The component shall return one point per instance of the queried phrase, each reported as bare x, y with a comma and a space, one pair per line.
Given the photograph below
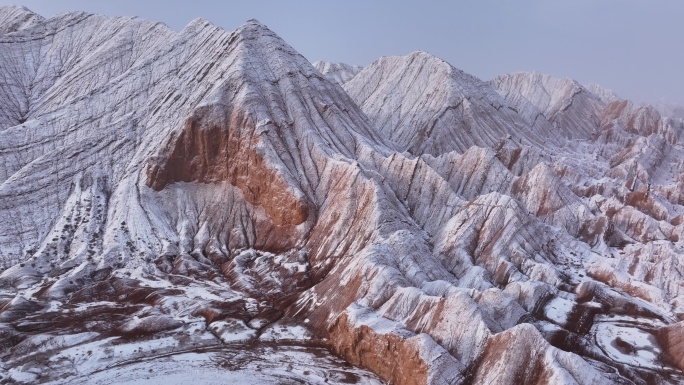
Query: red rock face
211, 149
672, 338
614, 110
394, 358
207, 151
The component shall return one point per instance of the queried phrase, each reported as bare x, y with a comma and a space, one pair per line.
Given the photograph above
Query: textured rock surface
164, 194
672, 338
572, 109
427, 106
13, 18
339, 72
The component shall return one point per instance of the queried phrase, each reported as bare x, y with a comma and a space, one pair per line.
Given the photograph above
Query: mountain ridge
205, 190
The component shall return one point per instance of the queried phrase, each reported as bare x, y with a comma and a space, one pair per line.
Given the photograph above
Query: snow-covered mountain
427, 106
339, 72
210, 199
563, 102
13, 18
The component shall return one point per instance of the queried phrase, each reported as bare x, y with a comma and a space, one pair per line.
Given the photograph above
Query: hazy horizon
629, 46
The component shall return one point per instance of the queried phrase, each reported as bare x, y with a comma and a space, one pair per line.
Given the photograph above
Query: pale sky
634, 47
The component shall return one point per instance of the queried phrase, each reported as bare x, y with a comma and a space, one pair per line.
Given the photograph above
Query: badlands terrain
209, 206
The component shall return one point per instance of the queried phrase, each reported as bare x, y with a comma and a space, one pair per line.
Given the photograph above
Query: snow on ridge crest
418, 99
14, 18
216, 185
339, 72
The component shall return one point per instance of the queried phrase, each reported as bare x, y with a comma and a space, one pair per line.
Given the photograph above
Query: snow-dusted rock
14, 18
174, 191
339, 72
427, 106
571, 109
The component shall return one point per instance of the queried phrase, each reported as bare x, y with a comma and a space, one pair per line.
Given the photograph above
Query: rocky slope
427, 106
339, 72
13, 18
211, 198
570, 108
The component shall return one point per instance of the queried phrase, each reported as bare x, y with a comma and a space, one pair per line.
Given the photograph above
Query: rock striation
195, 191
427, 106
14, 18
339, 72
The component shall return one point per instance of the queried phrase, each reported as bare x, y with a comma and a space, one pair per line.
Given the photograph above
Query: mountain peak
537, 77
422, 58
560, 100
338, 72
601, 92
15, 8
198, 25
255, 26
14, 18
427, 106
425, 54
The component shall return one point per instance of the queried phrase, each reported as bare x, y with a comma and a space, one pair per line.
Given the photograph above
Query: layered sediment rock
205, 186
